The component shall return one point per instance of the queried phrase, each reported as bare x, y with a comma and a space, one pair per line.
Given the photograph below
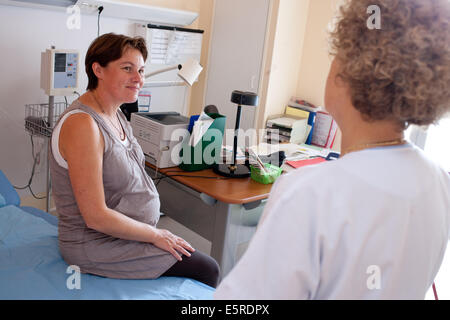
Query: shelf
138, 12
116, 9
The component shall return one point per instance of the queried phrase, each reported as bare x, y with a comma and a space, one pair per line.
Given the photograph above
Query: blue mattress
31, 266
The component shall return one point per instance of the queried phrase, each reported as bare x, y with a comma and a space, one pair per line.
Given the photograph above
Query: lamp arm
151, 74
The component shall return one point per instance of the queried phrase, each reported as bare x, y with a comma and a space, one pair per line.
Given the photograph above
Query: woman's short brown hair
400, 72
110, 47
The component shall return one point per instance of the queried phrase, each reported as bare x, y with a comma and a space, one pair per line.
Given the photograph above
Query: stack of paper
304, 111
285, 122
302, 104
290, 129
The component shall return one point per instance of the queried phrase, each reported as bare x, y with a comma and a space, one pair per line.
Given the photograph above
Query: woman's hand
169, 242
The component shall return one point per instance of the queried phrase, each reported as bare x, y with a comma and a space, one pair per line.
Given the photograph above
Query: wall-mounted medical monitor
59, 71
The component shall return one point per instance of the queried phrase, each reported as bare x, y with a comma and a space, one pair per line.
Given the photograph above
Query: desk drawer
185, 206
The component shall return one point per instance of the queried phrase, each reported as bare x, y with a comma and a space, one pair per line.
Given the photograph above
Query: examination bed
31, 266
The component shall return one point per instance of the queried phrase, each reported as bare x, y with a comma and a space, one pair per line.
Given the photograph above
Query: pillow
2, 201
9, 194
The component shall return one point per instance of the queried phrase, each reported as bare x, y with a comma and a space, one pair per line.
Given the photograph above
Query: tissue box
207, 151
265, 178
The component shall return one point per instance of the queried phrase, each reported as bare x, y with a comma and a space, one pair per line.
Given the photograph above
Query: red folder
306, 162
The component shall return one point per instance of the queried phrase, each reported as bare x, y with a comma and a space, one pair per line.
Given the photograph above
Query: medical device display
59, 71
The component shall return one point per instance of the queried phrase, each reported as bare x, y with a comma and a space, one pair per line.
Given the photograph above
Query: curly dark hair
110, 47
402, 70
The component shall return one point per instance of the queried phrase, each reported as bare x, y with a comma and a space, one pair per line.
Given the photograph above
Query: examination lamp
188, 71
237, 170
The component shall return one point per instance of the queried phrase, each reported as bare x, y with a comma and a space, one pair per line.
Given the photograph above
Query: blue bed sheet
31, 267
41, 214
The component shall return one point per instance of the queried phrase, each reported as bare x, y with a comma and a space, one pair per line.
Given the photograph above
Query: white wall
24, 34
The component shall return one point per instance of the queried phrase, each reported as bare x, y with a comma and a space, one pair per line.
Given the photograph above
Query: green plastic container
265, 178
207, 151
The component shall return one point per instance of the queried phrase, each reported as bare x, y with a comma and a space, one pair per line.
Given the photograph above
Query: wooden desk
225, 211
229, 190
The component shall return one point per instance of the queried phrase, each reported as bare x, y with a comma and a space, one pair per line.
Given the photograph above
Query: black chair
129, 108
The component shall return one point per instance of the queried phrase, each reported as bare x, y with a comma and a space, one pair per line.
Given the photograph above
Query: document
200, 128
324, 130
173, 47
159, 43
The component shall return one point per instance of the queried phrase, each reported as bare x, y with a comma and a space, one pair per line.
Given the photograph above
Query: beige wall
297, 61
199, 89
285, 46
316, 61
188, 5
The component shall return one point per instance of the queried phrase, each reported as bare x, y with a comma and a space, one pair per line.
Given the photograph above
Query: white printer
155, 133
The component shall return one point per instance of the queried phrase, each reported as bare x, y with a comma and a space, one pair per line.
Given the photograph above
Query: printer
153, 131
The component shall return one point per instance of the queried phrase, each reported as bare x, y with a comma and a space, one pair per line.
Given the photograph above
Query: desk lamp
237, 170
188, 71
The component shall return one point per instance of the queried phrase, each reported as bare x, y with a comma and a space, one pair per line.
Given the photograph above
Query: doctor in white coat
375, 223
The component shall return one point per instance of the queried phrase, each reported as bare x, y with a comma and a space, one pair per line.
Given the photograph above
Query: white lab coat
371, 225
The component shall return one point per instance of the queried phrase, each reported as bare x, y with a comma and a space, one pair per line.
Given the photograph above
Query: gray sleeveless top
128, 190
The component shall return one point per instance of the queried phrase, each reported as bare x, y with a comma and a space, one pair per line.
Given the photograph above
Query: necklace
359, 147
119, 130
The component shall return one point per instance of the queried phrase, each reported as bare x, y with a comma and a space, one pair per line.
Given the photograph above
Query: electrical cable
35, 158
34, 165
187, 175
100, 9
184, 175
